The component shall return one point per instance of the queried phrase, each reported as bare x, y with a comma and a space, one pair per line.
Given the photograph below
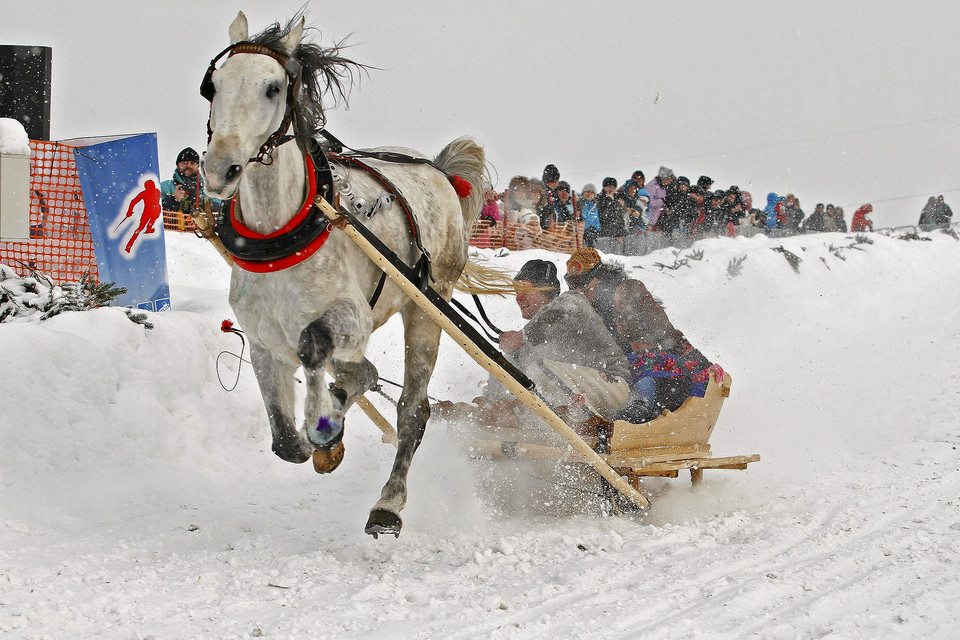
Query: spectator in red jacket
861, 221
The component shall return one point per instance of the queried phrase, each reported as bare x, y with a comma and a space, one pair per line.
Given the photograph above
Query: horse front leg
343, 329
275, 378
422, 339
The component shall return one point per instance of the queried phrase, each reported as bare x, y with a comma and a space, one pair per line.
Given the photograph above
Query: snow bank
13, 138
139, 499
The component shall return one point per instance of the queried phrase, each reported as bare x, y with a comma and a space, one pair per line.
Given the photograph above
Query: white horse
317, 313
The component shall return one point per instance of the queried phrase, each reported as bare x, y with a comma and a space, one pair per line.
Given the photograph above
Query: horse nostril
233, 172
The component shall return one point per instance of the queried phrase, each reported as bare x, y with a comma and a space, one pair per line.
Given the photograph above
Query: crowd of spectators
620, 216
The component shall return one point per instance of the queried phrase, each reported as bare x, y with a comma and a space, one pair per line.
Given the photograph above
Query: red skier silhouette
150, 196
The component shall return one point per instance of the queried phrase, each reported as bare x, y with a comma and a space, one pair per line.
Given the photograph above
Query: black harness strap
378, 290
337, 147
422, 267
467, 313
441, 305
483, 314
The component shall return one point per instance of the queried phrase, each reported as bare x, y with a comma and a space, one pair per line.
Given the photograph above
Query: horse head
248, 104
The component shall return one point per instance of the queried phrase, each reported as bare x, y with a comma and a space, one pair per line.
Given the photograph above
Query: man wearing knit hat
612, 220
666, 367
564, 347
184, 192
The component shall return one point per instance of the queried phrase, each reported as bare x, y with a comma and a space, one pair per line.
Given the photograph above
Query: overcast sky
844, 102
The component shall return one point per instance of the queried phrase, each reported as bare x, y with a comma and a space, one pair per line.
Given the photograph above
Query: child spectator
528, 232
489, 217
589, 214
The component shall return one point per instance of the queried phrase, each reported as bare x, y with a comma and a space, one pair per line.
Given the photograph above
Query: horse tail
464, 158
482, 280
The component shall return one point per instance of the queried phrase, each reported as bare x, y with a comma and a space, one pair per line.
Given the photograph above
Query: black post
25, 87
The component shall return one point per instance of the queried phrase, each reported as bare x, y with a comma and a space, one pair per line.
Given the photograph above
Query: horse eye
273, 90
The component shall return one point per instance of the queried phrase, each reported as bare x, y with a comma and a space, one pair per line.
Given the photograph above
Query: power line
916, 195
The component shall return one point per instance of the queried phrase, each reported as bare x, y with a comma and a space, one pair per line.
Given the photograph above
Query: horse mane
324, 70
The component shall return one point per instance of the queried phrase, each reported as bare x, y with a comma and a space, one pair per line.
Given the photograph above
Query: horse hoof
328, 461
383, 521
328, 431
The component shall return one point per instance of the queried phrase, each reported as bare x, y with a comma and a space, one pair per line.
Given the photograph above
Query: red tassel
461, 186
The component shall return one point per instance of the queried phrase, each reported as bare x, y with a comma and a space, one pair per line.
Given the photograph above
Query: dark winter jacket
815, 221
611, 216
547, 211
633, 209
794, 215
635, 318
714, 217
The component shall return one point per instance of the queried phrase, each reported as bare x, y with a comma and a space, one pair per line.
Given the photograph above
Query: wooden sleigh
675, 441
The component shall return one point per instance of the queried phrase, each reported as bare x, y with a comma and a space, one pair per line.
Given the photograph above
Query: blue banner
120, 180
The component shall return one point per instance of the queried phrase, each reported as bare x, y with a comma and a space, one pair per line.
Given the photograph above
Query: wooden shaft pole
205, 226
532, 401
389, 434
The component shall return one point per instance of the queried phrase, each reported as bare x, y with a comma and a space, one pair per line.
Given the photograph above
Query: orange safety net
60, 244
565, 238
178, 221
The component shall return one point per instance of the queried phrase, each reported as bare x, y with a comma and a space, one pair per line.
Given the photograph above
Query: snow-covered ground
141, 500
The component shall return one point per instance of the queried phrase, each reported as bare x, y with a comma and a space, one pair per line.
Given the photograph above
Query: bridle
291, 67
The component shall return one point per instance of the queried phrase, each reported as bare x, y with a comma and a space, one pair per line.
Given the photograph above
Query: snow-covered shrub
35, 295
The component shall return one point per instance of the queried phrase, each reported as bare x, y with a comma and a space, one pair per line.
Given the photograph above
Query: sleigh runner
674, 442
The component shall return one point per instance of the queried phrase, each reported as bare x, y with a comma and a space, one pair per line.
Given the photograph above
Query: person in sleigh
565, 349
666, 369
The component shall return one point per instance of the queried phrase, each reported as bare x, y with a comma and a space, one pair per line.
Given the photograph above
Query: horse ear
238, 29
291, 41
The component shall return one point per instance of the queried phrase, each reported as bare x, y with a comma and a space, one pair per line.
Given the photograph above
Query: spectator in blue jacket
589, 213
771, 210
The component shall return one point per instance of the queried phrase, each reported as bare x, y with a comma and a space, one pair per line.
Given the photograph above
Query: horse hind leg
422, 338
